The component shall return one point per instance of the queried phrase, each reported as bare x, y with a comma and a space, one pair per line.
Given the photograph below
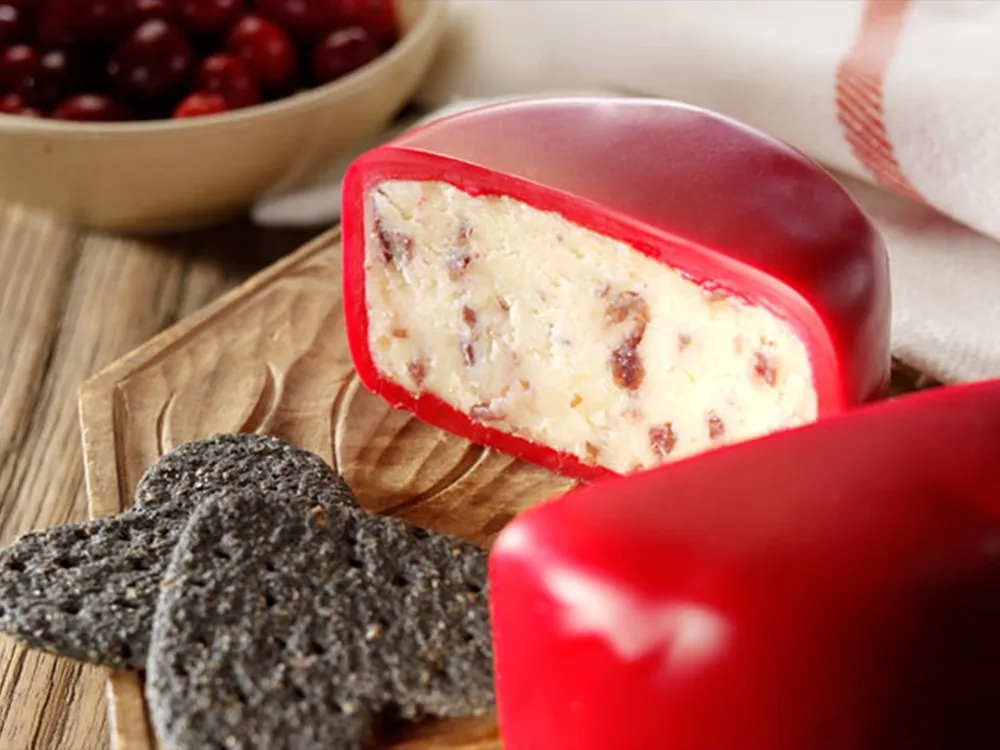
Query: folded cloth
894, 96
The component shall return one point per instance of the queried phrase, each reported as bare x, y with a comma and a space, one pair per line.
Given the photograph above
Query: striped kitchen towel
897, 97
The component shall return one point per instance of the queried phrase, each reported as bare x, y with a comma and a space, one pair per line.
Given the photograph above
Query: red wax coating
725, 204
828, 587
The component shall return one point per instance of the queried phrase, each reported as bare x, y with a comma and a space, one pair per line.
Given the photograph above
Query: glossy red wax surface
727, 205
829, 587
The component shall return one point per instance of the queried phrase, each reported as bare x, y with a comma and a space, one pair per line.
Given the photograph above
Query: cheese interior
566, 337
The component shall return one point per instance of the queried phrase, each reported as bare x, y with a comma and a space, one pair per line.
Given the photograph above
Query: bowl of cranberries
162, 115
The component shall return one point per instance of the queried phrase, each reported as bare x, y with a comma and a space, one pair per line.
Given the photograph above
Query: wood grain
272, 357
70, 303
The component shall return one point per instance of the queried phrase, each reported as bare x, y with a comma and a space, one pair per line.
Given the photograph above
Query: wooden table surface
71, 302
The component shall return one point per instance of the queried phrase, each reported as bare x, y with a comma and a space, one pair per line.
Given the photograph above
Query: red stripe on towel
860, 95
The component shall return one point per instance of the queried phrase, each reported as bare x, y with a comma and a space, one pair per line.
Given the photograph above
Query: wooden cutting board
272, 357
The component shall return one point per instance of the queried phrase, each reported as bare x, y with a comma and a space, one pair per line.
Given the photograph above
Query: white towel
897, 97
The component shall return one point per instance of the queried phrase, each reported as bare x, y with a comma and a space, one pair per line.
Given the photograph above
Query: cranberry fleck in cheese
562, 336
829, 587
600, 286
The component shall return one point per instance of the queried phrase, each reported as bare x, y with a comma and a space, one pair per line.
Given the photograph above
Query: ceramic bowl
172, 175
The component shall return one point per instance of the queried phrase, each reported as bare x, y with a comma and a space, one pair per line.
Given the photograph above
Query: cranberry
306, 19
29, 10
342, 51
78, 70
28, 6
66, 23
138, 11
179, 58
226, 75
152, 61
211, 16
11, 25
17, 65
49, 81
91, 108
14, 104
378, 16
201, 103
265, 49
11, 104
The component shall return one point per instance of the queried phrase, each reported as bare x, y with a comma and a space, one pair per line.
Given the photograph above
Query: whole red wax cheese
602, 285
829, 587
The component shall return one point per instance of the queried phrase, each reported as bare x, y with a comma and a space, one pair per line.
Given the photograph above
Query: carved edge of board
127, 714
96, 395
105, 414
908, 379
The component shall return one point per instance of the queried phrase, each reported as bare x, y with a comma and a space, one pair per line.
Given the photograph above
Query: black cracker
288, 624
88, 591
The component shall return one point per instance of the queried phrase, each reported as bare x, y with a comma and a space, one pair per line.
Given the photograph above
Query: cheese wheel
599, 286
